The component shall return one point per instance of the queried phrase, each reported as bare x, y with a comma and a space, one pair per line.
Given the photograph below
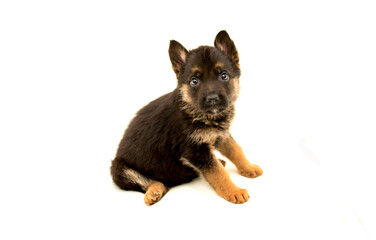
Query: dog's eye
224, 76
194, 81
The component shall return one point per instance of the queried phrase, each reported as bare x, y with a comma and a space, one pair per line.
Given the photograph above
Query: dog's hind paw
154, 193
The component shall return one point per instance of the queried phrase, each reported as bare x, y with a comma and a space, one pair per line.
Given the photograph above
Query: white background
73, 73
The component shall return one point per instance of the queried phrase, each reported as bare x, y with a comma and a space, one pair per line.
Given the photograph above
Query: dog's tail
127, 178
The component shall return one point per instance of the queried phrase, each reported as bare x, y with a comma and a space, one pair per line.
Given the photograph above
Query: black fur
160, 134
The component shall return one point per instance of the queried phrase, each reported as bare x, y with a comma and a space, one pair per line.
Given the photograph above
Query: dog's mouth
213, 104
214, 110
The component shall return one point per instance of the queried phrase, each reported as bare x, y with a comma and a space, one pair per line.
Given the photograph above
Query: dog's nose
212, 99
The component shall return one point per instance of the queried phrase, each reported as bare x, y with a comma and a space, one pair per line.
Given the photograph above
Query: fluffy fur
171, 140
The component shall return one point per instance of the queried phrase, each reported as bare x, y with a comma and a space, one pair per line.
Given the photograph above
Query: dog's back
152, 144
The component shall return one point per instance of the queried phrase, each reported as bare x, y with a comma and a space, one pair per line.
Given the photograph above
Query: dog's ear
178, 55
224, 43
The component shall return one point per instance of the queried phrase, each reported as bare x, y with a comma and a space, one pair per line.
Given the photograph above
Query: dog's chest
207, 135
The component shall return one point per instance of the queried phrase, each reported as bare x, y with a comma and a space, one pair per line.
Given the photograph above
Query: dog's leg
214, 172
230, 149
219, 179
155, 191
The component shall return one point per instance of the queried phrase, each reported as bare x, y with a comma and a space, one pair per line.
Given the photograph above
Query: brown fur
172, 139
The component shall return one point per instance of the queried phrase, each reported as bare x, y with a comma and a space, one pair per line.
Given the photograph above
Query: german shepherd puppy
171, 140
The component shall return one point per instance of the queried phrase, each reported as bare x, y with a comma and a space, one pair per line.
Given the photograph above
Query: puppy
172, 140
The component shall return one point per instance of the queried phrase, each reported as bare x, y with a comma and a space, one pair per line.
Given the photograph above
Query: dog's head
207, 76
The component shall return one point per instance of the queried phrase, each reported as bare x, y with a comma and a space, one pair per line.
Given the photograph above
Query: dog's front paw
237, 196
251, 171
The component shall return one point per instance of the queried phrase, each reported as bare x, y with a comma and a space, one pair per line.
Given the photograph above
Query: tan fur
186, 162
220, 46
208, 135
184, 91
195, 70
154, 193
188, 107
137, 178
176, 70
236, 59
203, 135
236, 89
183, 55
219, 179
218, 65
230, 149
